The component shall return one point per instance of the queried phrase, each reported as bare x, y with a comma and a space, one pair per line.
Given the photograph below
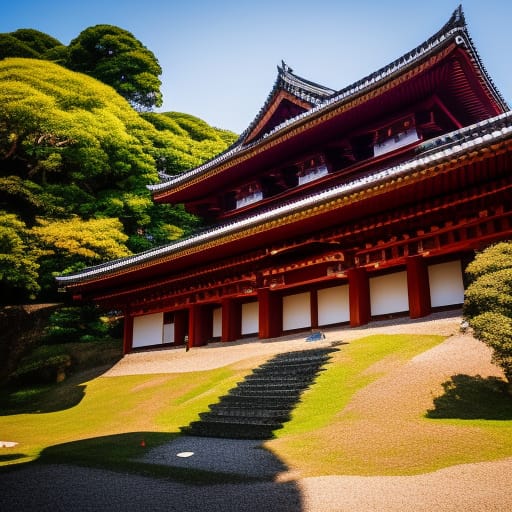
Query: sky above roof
220, 57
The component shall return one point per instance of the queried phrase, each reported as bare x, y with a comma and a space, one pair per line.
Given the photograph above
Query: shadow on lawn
9, 457
134, 484
473, 397
48, 398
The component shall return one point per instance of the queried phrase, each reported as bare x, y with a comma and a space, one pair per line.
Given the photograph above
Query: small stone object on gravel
234, 456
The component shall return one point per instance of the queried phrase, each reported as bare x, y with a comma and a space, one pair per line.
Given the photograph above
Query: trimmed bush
488, 303
495, 330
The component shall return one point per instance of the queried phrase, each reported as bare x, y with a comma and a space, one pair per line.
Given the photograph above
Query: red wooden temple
333, 207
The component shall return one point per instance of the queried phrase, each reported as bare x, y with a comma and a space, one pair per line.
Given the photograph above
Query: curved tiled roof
454, 30
429, 153
305, 90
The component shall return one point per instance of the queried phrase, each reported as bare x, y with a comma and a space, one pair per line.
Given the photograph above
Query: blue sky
219, 57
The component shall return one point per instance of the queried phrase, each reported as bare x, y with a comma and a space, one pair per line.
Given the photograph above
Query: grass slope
104, 421
360, 420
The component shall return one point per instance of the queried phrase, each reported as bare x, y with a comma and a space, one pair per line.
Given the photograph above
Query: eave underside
457, 206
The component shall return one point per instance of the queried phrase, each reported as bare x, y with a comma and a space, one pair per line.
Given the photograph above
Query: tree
488, 302
115, 57
38, 41
12, 47
18, 261
27, 42
72, 244
57, 126
22, 197
72, 151
184, 141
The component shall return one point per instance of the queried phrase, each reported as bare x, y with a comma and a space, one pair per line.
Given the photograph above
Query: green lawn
112, 417
109, 421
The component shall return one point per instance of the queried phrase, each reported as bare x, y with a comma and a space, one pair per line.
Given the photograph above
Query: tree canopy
73, 153
115, 57
27, 42
105, 52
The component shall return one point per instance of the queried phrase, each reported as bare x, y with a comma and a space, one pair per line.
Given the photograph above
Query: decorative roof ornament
284, 67
457, 17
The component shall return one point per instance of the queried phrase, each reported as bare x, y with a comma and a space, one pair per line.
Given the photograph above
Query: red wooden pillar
127, 333
359, 296
180, 326
314, 308
418, 287
270, 311
200, 325
231, 320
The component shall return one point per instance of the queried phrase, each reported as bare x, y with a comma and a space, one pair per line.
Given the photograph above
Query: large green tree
488, 302
115, 57
71, 148
57, 126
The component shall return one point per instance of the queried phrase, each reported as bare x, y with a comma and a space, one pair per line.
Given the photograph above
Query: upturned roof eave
454, 28
430, 153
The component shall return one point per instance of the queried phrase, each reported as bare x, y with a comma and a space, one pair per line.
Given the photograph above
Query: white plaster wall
388, 294
446, 286
398, 141
217, 322
148, 330
296, 311
250, 323
333, 305
168, 333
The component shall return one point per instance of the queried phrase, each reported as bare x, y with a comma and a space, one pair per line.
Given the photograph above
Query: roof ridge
456, 22
301, 88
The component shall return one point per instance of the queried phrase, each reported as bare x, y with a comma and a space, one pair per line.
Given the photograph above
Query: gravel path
215, 355
476, 487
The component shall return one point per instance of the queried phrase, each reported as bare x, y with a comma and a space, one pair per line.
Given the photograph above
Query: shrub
70, 324
495, 330
488, 302
42, 370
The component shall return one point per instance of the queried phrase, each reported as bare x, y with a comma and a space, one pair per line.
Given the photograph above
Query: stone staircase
263, 401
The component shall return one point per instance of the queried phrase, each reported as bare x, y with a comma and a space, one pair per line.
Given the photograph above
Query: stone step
243, 420
272, 386
294, 370
306, 354
298, 363
263, 401
294, 393
306, 359
234, 402
248, 412
258, 400
272, 377
229, 430
308, 351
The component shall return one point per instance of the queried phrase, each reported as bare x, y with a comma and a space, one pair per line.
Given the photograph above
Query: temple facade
333, 207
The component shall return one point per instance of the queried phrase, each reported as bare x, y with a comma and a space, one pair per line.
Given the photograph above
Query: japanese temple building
333, 207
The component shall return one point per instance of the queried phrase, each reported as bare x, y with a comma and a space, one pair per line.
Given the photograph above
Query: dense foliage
115, 57
27, 42
488, 302
105, 52
75, 161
